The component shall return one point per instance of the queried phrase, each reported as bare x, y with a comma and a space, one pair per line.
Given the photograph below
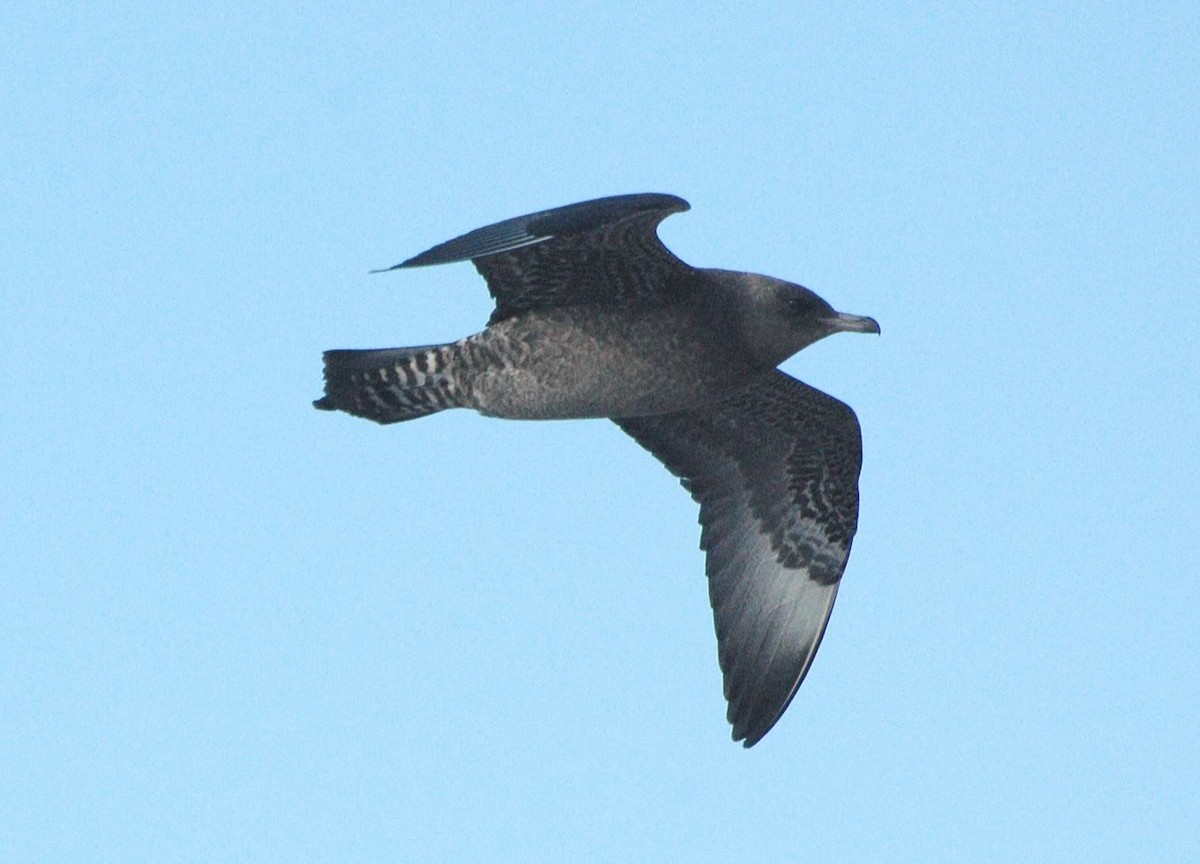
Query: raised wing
604, 251
774, 467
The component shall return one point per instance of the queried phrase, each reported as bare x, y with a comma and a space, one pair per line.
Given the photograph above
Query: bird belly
565, 366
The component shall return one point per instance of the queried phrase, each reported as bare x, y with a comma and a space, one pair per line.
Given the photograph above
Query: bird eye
796, 305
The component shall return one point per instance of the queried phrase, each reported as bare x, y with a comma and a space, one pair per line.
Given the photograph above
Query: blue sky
235, 629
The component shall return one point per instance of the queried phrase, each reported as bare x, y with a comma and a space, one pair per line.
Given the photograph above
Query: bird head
778, 318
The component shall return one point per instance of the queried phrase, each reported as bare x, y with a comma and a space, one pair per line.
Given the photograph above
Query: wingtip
749, 738
666, 201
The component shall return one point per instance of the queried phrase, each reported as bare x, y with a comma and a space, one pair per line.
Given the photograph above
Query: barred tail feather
389, 385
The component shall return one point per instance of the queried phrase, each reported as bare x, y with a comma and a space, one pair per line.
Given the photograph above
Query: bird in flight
595, 317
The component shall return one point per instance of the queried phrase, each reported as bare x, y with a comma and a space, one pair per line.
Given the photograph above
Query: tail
390, 384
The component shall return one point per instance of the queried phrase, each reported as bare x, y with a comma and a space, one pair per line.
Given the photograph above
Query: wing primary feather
539, 227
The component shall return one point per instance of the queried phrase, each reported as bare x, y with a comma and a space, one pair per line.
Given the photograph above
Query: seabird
595, 317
